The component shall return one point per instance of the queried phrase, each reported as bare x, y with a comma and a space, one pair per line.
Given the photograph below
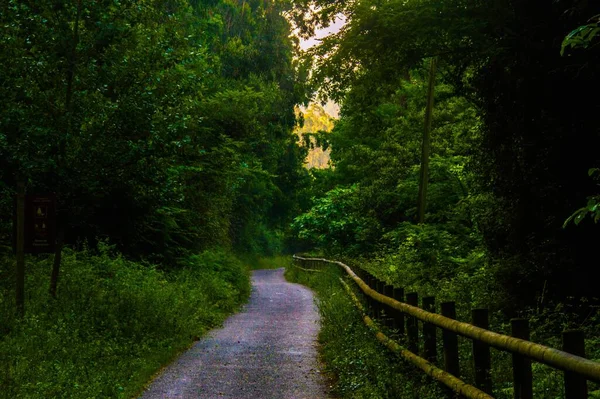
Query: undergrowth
114, 324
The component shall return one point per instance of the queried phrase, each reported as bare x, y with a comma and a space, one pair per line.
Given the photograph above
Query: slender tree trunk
20, 247
57, 259
61, 214
424, 178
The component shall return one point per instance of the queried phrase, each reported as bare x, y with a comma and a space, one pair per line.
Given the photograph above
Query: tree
316, 124
531, 118
166, 126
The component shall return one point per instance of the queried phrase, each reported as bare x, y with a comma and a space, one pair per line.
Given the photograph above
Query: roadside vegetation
115, 324
165, 130
510, 220
358, 366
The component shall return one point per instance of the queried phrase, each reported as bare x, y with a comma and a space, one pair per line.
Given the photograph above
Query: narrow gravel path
266, 351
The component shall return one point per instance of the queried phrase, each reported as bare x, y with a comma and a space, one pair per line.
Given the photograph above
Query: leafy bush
337, 223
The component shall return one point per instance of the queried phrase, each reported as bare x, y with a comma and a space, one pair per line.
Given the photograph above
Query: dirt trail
268, 350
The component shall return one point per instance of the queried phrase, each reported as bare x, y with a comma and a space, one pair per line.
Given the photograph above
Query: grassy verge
362, 368
114, 324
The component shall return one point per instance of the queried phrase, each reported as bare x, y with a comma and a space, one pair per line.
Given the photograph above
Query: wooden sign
40, 223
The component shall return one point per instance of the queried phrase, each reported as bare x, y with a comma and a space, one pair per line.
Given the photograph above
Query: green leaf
580, 37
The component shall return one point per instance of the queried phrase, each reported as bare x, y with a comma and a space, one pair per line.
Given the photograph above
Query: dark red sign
40, 223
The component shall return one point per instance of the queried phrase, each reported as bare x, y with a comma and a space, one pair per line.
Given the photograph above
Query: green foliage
114, 324
530, 160
513, 130
167, 127
581, 37
592, 208
506, 107
371, 203
335, 222
381, 41
357, 364
374, 184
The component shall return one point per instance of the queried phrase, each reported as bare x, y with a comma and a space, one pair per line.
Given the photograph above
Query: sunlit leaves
581, 37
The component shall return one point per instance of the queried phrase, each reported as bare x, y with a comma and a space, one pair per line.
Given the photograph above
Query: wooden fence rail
389, 301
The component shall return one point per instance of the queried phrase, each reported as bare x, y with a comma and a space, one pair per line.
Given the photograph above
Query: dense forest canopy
165, 126
514, 135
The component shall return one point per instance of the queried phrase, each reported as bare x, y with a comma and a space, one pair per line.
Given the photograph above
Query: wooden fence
403, 315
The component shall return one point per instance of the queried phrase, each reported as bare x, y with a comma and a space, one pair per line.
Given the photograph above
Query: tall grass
113, 325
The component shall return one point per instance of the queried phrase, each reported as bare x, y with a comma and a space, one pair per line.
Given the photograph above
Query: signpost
38, 214
40, 223
35, 232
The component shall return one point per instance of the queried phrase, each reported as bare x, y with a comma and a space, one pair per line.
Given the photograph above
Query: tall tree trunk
20, 282
424, 181
61, 214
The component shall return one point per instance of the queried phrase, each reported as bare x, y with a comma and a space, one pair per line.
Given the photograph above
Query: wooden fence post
371, 302
372, 285
360, 273
376, 304
398, 295
429, 332
380, 306
450, 341
575, 385
481, 353
522, 376
412, 326
388, 290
